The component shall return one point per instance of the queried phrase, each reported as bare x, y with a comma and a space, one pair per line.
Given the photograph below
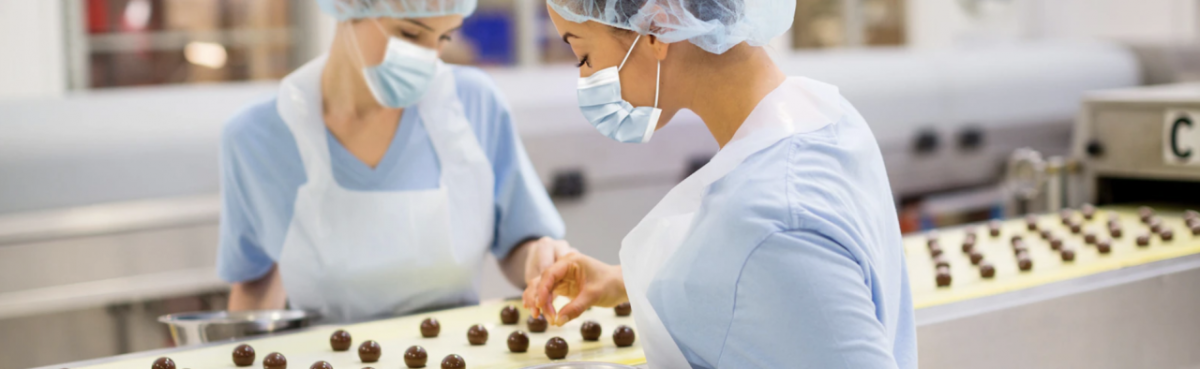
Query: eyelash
582, 62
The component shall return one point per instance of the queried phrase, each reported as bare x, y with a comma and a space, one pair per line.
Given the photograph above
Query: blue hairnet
713, 25
357, 9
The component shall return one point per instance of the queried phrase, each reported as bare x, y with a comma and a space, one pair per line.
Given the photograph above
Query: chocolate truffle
453, 361
1020, 247
415, 357
430, 328
1088, 211
1115, 232
976, 257
1104, 246
1076, 228
369, 351
1155, 225
1046, 234
1143, 240
943, 276
935, 251
931, 238
1031, 222
1056, 243
968, 245
321, 365
509, 315
1065, 216
1068, 254
1015, 239
243, 355
987, 270
623, 309
590, 330
941, 261
163, 363
994, 228
536, 324
1089, 237
340, 340
1024, 262
518, 342
1145, 213
556, 348
477, 335
1167, 234
1195, 229
274, 360
623, 336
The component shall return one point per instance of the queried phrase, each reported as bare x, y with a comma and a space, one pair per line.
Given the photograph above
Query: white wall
944, 23
32, 44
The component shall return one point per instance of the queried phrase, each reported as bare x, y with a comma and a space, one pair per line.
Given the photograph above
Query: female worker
378, 178
784, 251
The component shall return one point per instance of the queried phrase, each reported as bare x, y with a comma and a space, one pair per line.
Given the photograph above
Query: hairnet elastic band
630, 52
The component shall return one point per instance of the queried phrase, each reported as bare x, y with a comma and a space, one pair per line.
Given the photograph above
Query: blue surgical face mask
403, 76
601, 103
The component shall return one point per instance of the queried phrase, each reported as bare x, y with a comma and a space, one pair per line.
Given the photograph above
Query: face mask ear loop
357, 50
630, 52
657, 78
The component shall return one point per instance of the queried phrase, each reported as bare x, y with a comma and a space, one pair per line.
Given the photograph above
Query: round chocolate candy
430, 328
976, 257
1089, 237
1019, 248
943, 276
931, 238
1031, 222
1156, 225
1065, 216
968, 245
1167, 234
1115, 232
518, 342
994, 228
556, 348
477, 335
1046, 234
1190, 214
941, 261
987, 270
1056, 243
623, 336
1104, 246
415, 357
970, 235
453, 361
274, 360
1068, 254
321, 365
935, 251
1145, 213
536, 324
1195, 230
1015, 239
1088, 211
369, 351
1076, 228
1143, 240
623, 309
1024, 262
590, 330
509, 315
340, 340
163, 363
243, 355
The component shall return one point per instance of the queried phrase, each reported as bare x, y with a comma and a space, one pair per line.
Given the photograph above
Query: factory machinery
102, 214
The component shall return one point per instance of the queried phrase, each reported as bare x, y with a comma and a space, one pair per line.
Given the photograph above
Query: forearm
265, 293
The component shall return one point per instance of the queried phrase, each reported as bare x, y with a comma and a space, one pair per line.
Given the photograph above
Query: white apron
655, 239
355, 255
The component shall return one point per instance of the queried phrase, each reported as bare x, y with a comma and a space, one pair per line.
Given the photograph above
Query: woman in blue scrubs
378, 178
784, 251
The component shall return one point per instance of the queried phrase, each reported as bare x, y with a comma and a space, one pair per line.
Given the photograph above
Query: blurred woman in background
378, 178
784, 251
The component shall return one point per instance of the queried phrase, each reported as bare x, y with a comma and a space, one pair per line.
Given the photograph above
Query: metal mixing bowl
581, 365
198, 327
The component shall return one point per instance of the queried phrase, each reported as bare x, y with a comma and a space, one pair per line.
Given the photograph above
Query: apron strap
299, 104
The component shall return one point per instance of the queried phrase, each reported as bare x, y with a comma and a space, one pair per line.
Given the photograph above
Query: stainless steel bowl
206, 326
581, 365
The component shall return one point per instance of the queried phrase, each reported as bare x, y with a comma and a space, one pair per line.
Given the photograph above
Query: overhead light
206, 54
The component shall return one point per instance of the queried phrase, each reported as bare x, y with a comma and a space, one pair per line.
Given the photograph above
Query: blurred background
110, 113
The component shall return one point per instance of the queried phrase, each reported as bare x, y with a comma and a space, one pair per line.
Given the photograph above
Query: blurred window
154, 42
825, 24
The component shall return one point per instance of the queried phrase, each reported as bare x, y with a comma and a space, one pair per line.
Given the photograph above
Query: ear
659, 47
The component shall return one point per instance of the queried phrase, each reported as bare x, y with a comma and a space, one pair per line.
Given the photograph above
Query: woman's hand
542, 253
585, 280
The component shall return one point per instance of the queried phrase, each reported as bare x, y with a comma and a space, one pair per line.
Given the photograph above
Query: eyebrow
568, 35
420, 24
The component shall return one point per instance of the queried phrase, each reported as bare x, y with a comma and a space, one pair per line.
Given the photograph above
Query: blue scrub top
794, 261
262, 171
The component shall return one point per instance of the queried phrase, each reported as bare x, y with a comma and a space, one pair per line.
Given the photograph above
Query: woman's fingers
576, 307
529, 296
553, 280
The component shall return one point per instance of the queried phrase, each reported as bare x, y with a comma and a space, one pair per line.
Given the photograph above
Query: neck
344, 94
745, 74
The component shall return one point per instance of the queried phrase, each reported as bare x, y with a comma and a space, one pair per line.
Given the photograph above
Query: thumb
575, 308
